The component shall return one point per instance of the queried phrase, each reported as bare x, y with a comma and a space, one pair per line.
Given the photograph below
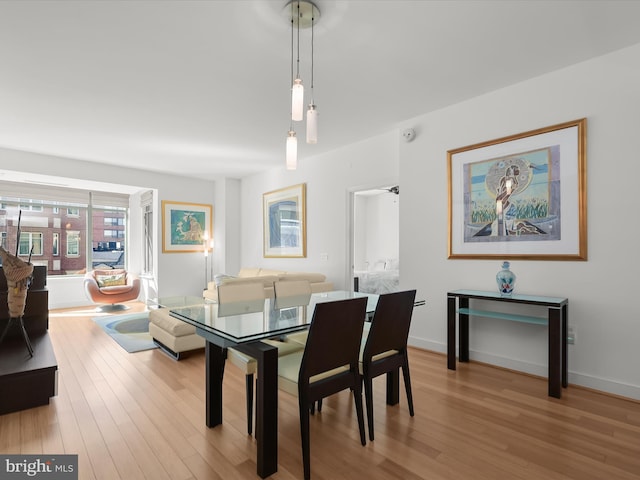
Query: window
30, 243
3, 240
73, 244
114, 233
31, 205
113, 221
62, 224
55, 249
109, 244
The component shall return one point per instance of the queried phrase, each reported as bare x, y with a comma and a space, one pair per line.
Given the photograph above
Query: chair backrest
292, 293
390, 325
230, 292
334, 338
290, 288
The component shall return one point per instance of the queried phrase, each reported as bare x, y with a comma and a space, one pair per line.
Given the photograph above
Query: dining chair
385, 345
290, 293
328, 364
249, 293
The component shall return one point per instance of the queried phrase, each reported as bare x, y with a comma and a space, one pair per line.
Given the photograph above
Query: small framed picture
284, 222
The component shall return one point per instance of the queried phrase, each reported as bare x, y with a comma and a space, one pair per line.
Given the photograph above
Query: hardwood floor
141, 415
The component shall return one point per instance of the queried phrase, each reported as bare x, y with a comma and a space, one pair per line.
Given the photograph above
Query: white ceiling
201, 88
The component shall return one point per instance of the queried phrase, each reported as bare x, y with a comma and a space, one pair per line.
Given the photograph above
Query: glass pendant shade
292, 150
312, 124
297, 100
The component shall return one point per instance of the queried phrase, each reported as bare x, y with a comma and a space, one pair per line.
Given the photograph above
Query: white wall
600, 291
178, 273
330, 179
227, 226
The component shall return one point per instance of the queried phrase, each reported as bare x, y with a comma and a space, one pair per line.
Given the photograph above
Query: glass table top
243, 322
177, 301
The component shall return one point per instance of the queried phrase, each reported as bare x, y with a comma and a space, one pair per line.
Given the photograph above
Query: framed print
185, 226
520, 197
284, 222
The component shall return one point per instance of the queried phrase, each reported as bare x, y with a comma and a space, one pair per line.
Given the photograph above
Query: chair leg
312, 409
357, 397
407, 383
249, 383
304, 435
368, 396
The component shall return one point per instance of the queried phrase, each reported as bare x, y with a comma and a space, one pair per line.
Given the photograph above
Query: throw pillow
111, 280
220, 278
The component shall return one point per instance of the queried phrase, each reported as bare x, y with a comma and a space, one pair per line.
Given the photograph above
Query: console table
557, 319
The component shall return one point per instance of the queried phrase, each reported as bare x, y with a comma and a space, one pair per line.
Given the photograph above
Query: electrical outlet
571, 335
324, 257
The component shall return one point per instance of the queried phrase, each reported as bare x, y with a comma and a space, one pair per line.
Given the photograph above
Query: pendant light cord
312, 21
298, 49
291, 82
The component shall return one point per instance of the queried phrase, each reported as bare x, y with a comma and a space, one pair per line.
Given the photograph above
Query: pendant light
312, 112
291, 156
292, 150
304, 14
297, 90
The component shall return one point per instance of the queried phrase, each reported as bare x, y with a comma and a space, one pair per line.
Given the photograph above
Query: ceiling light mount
307, 14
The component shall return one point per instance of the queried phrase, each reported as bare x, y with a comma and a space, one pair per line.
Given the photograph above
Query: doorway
375, 240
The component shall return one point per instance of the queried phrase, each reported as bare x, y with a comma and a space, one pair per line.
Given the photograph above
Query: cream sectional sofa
318, 281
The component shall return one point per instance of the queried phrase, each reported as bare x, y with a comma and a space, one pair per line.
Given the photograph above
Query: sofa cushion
266, 280
116, 289
311, 277
248, 272
266, 271
220, 278
163, 319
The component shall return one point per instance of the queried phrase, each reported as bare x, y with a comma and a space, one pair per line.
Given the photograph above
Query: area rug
131, 331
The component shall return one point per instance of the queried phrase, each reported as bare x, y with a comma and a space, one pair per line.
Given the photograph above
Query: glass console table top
539, 299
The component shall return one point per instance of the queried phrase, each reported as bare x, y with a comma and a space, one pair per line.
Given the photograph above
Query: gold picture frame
285, 222
185, 226
520, 197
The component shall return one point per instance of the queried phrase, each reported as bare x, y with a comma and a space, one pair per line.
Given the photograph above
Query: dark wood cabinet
31, 380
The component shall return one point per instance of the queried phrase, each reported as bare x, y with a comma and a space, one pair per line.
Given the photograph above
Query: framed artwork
185, 226
285, 222
520, 197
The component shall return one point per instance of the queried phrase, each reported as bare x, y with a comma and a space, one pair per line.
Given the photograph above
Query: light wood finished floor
141, 416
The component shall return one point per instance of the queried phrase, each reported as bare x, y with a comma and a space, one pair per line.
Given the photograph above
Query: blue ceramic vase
506, 280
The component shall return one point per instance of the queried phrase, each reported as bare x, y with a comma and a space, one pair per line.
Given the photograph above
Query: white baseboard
589, 381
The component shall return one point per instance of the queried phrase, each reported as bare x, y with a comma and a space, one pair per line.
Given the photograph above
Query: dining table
242, 325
